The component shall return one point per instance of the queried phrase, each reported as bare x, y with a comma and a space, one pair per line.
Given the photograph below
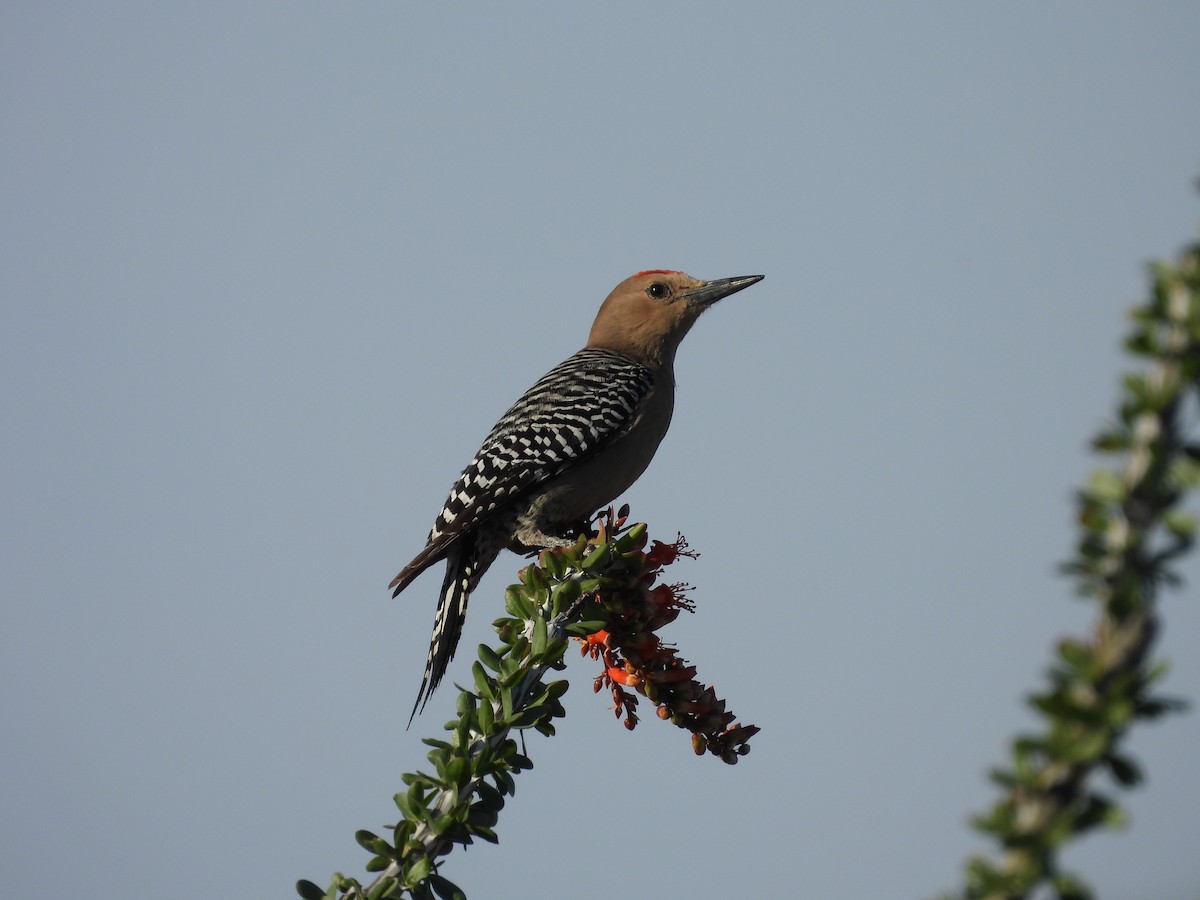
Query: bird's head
647, 314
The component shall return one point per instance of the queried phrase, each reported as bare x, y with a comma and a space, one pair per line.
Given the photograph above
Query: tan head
647, 315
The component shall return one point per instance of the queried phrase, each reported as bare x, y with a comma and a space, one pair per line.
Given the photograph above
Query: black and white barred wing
575, 409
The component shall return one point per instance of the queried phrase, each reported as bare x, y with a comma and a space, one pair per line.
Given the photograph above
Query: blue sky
271, 271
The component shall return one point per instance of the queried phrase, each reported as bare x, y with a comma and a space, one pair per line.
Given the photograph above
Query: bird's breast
600, 479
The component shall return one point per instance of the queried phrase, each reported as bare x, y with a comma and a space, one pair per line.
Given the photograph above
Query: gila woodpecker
570, 445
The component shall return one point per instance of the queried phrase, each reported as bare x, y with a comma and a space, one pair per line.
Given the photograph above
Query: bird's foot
532, 540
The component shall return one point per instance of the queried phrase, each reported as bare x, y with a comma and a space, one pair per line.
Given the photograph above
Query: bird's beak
711, 291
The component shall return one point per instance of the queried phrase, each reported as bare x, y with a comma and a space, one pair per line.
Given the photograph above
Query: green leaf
1116, 439
438, 758
1027, 746
526, 718
1180, 524
584, 629
539, 637
406, 810
1115, 817
1135, 386
439, 825
416, 802
517, 603
553, 563
563, 595
506, 701
487, 834
1158, 671
419, 870
486, 718
489, 798
1153, 707
1087, 748
445, 888
368, 840
594, 558
520, 761
535, 579
479, 814
1186, 469
384, 888
489, 657
1125, 770
484, 759
555, 650
465, 704
516, 658
1070, 888
505, 783
309, 891
982, 877
485, 687
1142, 342
402, 833
462, 730
1106, 486
638, 530
1079, 656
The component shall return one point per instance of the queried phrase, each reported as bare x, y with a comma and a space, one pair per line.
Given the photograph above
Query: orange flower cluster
636, 661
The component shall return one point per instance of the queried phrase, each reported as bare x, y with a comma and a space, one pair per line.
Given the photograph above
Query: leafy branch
602, 591
1131, 532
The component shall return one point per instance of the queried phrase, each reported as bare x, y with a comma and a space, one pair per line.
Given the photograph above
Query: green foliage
596, 587
1131, 532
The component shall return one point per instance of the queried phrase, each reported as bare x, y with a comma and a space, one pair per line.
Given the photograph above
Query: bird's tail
465, 565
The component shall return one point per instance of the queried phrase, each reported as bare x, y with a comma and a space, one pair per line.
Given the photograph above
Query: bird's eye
660, 290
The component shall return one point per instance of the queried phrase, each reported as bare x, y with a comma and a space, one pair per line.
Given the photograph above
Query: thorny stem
437, 845
1101, 690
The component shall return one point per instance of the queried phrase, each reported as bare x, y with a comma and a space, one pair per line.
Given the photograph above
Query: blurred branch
1132, 531
601, 591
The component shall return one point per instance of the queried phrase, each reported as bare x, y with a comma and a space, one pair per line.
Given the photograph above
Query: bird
570, 445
